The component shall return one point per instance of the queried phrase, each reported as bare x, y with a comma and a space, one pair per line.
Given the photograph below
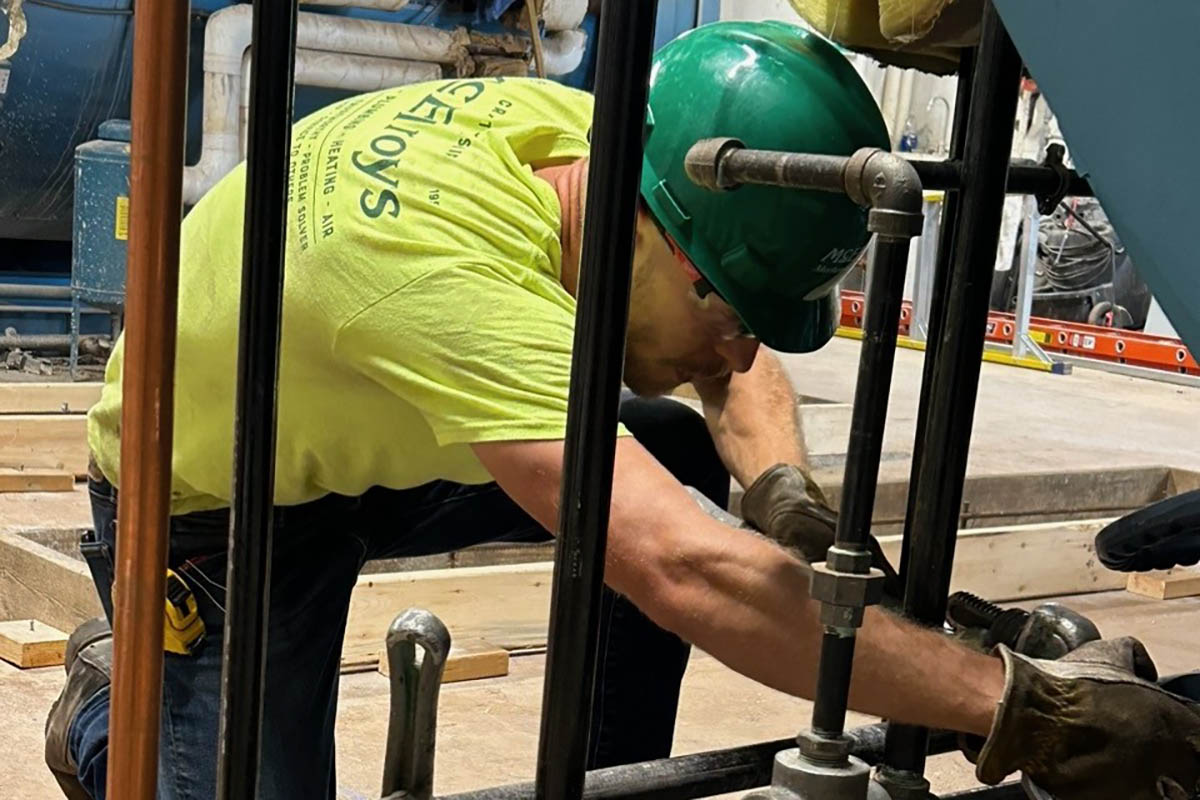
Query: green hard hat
775, 255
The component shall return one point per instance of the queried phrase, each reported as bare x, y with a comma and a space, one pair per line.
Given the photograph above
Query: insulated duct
227, 38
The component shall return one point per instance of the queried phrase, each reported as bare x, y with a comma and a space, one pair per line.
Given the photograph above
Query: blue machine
61, 168
101, 226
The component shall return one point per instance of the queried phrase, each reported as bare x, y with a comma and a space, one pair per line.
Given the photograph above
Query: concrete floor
1026, 421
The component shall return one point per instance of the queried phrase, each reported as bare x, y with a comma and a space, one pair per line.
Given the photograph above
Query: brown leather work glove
786, 504
1093, 725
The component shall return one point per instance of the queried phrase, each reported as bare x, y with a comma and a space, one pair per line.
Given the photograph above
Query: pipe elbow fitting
890, 187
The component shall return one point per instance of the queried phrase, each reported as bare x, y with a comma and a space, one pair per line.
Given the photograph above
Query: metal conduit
248, 581
703, 774
952, 371
623, 64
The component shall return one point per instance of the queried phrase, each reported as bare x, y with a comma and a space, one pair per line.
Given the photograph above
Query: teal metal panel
1120, 75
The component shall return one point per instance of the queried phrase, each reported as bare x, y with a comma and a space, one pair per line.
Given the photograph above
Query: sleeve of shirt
481, 357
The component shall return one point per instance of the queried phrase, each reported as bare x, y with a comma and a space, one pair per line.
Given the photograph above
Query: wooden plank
48, 398
469, 660
1025, 561
44, 441
39, 583
35, 480
506, 605
509, 605
1183, 480
1166, 584
29, 643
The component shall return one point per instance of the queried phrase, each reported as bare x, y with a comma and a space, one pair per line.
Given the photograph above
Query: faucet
942, 147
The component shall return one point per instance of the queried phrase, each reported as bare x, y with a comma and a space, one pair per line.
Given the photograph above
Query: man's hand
1093, 725
787, 505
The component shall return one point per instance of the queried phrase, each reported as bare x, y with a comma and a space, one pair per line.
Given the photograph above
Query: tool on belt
183, 629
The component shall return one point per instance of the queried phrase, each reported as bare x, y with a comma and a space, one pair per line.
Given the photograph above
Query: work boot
89, 669
1093, 725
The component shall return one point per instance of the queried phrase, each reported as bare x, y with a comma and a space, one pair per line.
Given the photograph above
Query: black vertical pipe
941, 277
904, 741
884, 298
249, 574
623, 64
953, 361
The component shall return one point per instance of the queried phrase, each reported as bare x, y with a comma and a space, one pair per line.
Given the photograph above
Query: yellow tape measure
183, 629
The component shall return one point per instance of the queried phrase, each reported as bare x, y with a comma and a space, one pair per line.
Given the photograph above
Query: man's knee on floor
678, 437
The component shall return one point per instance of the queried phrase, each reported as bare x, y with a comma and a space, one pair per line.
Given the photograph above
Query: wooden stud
506, 605
48, 398
44, 441
1166, 584
469, 660
35, 480
29, 643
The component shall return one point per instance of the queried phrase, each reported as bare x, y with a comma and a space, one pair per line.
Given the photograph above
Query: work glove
1092, 725
786, 504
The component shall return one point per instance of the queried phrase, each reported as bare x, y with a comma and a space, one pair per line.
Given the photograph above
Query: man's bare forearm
746, 602
753, 420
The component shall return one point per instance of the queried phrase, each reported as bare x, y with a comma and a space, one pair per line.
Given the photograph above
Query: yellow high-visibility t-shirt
423, 309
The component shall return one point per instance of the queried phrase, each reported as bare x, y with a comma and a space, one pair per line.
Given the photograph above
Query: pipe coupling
702, 163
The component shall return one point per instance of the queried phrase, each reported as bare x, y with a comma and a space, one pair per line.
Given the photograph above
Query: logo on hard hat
837, 258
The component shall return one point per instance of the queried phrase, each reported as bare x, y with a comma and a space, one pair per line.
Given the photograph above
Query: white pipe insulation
563, 15
339, 71
562, 51
227, 38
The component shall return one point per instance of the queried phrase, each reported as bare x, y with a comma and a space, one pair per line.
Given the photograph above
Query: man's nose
739, 353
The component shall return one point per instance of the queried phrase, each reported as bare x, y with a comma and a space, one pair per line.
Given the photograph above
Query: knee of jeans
679, 438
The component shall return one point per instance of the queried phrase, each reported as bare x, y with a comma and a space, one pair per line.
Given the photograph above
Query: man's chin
656, 386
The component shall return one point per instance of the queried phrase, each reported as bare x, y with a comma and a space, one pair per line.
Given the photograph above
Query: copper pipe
160, 45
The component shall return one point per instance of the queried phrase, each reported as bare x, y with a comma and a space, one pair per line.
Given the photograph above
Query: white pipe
563, 51
563, 15
382, 5
226, 39
340, 71
891, 99
904, 107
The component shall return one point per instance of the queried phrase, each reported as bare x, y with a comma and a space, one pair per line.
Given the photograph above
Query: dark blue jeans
319, 549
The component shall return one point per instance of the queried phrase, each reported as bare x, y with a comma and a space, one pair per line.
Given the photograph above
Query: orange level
1069, 338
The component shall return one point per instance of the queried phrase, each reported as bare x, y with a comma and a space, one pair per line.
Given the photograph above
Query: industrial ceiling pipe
625, 43
248, 585
160, 46
35, 290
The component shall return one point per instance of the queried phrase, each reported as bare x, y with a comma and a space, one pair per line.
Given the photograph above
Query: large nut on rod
823, 749
846, 589
703, 163
796, 778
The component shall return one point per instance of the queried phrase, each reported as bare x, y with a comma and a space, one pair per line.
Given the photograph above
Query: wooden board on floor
1017, 562
506, 605
39, 583
44, 441
48, 398
28, 643
1166, 584
35, 480
470, 659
